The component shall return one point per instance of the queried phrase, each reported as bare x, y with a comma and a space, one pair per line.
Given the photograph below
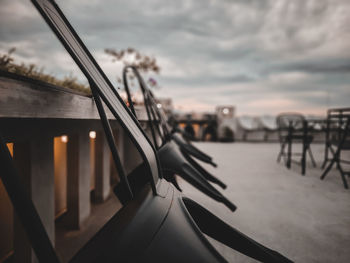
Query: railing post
102, 167
78, 179
34, 161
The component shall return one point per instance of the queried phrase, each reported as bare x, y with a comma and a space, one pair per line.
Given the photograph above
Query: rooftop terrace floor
304, 218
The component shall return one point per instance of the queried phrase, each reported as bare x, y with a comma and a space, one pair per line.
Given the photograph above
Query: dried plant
131, 56
32, 71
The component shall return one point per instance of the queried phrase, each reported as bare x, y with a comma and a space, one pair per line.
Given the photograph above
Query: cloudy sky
262, 56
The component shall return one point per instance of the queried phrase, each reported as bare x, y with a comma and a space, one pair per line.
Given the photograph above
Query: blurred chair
293, 128
317, 128
189, 132
337, 141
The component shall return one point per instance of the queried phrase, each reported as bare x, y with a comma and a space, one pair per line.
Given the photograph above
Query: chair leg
303, 159
289, 154
281, 152
342, 174
329, 167
311, 156
333, 152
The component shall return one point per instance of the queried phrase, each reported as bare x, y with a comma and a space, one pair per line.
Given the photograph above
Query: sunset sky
263, 57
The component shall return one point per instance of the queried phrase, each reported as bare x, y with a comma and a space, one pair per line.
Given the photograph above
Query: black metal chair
337, 142
293, 128
174, 153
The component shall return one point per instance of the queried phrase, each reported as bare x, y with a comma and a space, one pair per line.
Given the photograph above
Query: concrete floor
68, 242
304, 218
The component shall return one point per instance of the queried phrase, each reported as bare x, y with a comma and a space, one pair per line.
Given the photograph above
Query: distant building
225, 112
225, 120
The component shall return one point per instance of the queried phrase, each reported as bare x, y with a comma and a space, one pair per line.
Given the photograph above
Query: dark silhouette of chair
210, 132
190, 131
337, 141
293, 128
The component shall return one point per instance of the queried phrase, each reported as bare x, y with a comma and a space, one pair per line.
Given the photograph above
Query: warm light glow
159, 105
10, 147
64, 138
225, 111
92, 134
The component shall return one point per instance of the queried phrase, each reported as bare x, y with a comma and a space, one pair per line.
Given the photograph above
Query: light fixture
64, 138
225, 111
159, 105
92, 134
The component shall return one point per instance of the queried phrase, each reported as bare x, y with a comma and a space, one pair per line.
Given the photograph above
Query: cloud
245, 52
322, 68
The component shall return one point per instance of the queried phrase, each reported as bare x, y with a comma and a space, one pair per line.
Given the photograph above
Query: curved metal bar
204, 172
131, 104
150, 100
224, 233
111, 143
173, 162
186, 149
186, 145
190, 149
126, 86
100, 83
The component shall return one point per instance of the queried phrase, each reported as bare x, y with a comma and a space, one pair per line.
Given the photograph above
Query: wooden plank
21, 129
23, 99
29, 108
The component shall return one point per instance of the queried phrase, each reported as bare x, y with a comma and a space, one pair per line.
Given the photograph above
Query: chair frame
340, 118
288, 134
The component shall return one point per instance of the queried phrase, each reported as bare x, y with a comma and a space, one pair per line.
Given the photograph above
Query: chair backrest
99, 83
290, 120
156, 118
338, 127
